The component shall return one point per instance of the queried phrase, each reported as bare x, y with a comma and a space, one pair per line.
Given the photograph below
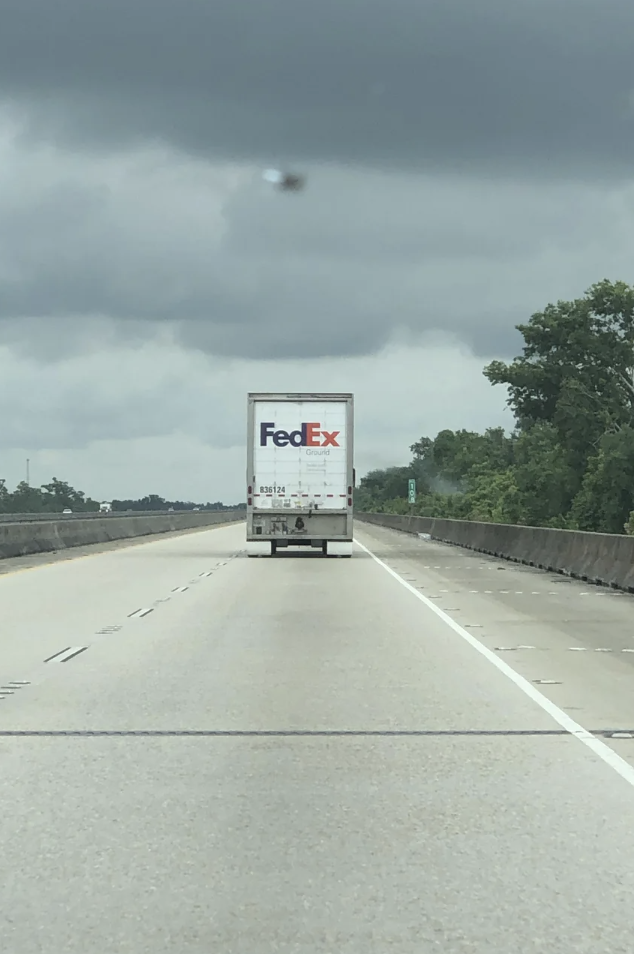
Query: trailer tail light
250, 497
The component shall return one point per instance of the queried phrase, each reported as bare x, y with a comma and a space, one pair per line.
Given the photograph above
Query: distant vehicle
170, 510
196, 508
105, 507
67, 510
300, 476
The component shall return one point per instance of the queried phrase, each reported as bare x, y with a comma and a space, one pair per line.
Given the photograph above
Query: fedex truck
300, 476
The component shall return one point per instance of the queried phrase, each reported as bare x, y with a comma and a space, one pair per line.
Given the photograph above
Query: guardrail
21, 537
603, 558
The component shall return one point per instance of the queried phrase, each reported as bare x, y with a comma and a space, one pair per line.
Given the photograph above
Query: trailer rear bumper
330, 532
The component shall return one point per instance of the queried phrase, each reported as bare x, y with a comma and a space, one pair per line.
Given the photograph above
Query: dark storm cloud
385, 104
545, 85
334, 272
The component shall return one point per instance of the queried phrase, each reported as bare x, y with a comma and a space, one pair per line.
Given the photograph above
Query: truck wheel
273, 548
324, 548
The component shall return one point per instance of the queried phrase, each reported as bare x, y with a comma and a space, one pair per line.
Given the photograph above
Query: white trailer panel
300, 474
300, 455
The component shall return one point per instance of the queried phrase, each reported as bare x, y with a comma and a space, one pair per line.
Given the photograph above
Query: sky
466, 164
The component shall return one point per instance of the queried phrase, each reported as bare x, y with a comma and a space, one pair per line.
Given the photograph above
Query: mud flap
257, 549
339, 548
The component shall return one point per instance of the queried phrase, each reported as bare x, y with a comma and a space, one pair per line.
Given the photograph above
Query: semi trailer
300, 473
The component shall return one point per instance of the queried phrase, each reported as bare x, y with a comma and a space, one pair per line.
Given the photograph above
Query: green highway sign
412, 491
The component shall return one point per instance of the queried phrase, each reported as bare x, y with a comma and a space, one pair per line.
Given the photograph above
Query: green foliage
49, 498
606, 498
570, 459
58, 496
153, 502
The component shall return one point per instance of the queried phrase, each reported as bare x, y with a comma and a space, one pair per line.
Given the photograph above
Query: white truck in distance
300, 475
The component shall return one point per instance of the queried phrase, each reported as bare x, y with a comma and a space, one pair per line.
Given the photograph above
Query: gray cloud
156, 417
236, 269
467, 162
239, 269
432, 134
544, 86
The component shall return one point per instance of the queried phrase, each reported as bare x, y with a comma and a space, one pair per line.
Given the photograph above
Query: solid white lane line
599, 748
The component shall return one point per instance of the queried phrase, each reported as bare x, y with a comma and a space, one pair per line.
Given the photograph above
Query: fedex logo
308, 435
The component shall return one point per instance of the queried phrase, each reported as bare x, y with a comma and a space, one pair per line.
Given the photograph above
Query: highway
201, 752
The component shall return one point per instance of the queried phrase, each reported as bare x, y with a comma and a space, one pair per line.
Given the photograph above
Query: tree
576, 370
4, 496
545, 480
26, 499
570, 461
606, 497
59, 495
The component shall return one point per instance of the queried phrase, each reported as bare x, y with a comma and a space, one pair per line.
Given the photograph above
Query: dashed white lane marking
535, 592
603, 751
180, 589
512, 649
141, 612
65, 654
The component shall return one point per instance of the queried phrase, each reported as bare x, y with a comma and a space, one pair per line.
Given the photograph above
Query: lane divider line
598, 748
69, 656
59, 653
65, 654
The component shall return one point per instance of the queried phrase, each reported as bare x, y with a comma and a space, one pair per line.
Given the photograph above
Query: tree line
569, 460
58, 496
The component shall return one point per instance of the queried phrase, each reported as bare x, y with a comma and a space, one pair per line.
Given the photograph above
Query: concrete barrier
602, 558
20, 539
89, 515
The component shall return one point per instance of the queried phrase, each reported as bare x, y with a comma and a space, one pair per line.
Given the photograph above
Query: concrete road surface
313, 756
